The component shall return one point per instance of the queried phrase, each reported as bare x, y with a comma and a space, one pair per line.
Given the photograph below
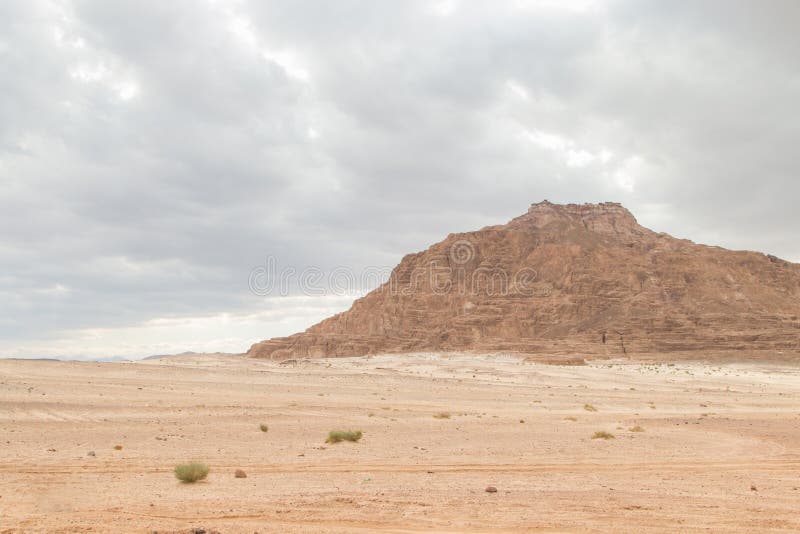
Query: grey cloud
152, 154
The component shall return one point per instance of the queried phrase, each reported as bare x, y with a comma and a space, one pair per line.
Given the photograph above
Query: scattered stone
491, 489
240, 474
753, 487
91, 453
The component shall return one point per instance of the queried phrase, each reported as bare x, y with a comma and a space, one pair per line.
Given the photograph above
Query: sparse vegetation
117, 447
636, 428
335, 436
263, 427
602, 434
441, 415
191, 472
570, 418
589, 408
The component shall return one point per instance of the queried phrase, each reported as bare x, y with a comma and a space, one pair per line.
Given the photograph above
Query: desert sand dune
719, 450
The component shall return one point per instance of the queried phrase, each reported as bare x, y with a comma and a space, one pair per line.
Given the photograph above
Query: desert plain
91, 447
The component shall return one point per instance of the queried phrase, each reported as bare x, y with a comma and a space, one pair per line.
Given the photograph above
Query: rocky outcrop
572, 279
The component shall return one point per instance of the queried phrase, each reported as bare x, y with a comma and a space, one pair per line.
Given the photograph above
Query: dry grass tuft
191, 472
589, 408
636, 428
335, 436
263, 427
602, 434
441, 415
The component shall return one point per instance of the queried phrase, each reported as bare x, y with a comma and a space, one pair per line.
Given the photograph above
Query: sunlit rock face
568, 279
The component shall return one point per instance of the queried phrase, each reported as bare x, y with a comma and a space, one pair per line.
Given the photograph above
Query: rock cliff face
567, 279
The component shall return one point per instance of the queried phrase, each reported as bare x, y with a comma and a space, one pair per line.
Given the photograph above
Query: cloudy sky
153, 154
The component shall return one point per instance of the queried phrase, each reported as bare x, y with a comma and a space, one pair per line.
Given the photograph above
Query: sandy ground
720, 451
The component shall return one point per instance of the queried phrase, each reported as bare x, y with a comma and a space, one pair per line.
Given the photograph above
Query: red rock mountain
568, 279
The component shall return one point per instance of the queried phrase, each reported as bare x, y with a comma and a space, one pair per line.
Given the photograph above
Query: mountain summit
582, 279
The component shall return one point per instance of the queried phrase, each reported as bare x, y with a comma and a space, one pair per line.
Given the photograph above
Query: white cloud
576, 6
55, 290
517, 89
443, 8
223, 332
626, 175
566, 150
99, 73
90, 73
242, 28
289, 63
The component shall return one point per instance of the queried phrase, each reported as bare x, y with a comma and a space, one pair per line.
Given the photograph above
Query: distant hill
159, 356
188, 354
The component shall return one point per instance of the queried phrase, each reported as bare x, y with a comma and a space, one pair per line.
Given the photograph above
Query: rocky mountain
567, 279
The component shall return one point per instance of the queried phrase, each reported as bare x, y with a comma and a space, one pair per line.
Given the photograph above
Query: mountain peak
605, 217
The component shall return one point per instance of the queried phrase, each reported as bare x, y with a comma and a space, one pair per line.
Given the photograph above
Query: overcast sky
152, 154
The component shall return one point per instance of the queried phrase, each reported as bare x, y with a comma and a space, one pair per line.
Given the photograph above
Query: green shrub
191, 472
335, 436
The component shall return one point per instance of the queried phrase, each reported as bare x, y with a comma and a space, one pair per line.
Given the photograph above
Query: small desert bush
570, 418
441, 415
636, 428
191, 472
335, 436
602, 434
117, 447
263, 427
589, 408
